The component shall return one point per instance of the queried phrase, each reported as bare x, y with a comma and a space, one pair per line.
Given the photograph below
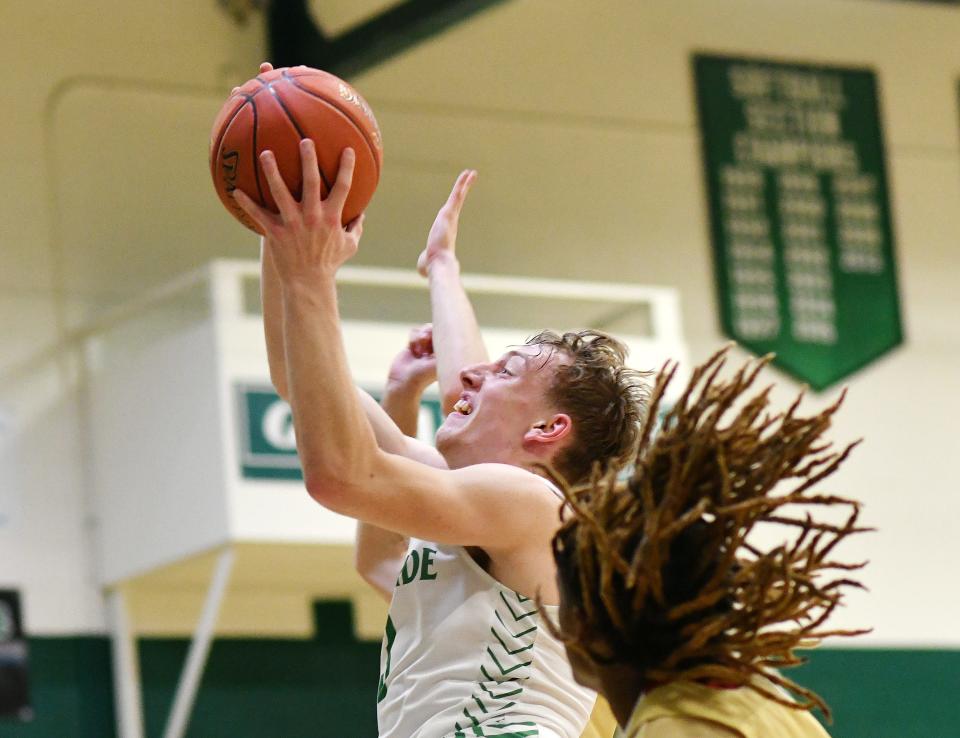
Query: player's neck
622, 686
459, 457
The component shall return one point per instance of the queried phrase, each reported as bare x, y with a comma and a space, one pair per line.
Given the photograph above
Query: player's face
500, 401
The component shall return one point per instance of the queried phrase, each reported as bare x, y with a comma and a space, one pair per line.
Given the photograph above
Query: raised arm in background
498, 506
456, 333
412, 371
405, 384
379, 552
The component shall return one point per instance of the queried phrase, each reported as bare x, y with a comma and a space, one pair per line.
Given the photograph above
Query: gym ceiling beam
294, 37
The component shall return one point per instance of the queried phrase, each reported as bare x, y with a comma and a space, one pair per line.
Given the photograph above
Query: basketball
274, 111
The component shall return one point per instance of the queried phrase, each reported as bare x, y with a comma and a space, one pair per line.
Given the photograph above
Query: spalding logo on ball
274, 111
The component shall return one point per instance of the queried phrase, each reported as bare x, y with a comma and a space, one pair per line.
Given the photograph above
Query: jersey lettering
415, 565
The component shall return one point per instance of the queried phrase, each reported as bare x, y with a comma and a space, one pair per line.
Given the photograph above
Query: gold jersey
688, 708
602, 722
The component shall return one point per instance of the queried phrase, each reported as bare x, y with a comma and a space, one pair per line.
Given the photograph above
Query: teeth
463, 407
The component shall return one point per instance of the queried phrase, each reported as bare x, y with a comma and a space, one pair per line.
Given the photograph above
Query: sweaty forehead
524, 354
531, 356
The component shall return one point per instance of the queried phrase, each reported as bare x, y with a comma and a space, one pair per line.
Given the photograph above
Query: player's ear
551, 430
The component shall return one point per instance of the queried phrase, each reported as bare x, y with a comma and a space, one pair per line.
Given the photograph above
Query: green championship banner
267, 444
799, 214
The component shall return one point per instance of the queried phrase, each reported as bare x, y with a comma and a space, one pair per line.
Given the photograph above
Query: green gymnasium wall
324, 688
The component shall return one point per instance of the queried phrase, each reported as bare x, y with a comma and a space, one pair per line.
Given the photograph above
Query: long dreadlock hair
659, 565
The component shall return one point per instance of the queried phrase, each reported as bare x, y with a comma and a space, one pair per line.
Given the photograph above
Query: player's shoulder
512, 477
532, 502
683, 727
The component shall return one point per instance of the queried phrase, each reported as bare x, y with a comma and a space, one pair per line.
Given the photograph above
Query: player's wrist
315, 289
443, 264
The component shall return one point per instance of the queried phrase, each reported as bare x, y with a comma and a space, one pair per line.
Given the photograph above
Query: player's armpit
493, 506
379, 552
378, 557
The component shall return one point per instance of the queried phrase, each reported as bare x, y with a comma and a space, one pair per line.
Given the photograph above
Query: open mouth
463, 406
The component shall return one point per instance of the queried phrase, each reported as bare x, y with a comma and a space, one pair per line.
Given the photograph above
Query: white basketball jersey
464, 656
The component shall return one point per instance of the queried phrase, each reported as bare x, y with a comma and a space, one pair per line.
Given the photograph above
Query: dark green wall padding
324, 687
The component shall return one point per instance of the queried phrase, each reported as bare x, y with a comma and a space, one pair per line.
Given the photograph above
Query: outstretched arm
387, 422
271, 308
379, 552
501, 508
456, 333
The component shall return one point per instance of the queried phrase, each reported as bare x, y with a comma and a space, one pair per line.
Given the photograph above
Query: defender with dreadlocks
670, 607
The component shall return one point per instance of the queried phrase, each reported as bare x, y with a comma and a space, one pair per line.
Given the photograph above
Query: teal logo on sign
268, 444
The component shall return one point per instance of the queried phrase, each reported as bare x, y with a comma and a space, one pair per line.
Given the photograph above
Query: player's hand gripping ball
275, 110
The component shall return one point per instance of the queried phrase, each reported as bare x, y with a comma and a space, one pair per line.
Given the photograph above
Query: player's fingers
265, 67
341, 188
278, 188
461, 187
422, 338
235, 90
355, 226
413, 346
262, 217
421, 335
418, 346
311, 172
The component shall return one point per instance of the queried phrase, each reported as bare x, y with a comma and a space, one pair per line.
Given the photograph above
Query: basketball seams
293, 80
279, 99
296, 125
237, 126
347, 112
214, 163
253, 153
225, 127
217, 154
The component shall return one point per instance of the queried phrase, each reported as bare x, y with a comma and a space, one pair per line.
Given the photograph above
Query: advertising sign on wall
268, 445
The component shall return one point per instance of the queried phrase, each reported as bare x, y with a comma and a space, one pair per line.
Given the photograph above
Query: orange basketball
274, 111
